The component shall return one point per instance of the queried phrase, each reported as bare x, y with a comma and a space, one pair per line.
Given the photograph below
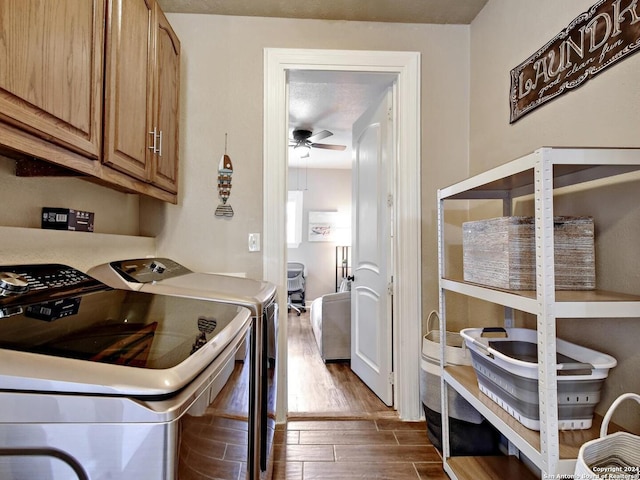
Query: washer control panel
31, 283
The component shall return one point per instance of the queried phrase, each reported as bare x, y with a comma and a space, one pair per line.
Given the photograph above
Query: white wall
603, 112
116, 233
325, 190
80, 250
115, 212
222, 91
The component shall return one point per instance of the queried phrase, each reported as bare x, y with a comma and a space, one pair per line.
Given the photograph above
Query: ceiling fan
304, 140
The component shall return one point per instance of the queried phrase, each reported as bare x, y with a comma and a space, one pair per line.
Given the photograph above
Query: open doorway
322, 108
406, 297
325, 104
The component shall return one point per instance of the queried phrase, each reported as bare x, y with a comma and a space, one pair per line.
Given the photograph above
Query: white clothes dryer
168, 277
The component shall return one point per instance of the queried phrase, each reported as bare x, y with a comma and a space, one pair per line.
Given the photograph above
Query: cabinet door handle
153, 137
159, 152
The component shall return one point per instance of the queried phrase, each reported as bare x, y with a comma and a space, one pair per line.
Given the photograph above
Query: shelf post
444, 406
546, 320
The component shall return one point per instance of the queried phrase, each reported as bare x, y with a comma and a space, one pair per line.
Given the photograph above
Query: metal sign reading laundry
595, 40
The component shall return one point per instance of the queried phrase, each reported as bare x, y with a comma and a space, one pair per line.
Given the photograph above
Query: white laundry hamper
506, 364
469, 432
615, 456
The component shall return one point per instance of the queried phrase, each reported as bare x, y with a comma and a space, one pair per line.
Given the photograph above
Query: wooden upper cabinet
142, 93
51, 71
164, 171
128, 86
91, 86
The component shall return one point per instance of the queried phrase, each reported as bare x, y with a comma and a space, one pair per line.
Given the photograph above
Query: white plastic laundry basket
615, 456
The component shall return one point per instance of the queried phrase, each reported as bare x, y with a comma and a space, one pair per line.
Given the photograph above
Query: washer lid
253, 294
168, 277
114, 341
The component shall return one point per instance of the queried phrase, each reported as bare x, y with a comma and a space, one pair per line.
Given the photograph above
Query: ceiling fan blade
326, 146
320, 135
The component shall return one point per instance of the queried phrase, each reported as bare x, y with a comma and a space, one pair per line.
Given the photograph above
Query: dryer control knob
12, 284
157, 267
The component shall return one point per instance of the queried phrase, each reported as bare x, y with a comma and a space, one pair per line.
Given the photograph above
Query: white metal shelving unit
552, 451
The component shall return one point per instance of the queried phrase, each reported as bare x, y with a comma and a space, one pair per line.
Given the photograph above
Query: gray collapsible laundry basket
507, 372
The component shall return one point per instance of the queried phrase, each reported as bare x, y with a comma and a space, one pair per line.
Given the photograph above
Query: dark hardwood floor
337, 429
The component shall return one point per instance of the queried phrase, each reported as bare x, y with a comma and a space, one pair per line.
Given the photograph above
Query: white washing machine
168, 277
101, 383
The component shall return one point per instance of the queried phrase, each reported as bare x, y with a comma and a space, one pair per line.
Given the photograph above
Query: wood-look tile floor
337, 429
343, 449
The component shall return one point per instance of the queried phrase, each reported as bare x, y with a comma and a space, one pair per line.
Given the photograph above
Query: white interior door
371, 305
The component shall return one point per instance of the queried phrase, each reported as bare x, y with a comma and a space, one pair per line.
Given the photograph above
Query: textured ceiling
332, 100
401, 11
321, 100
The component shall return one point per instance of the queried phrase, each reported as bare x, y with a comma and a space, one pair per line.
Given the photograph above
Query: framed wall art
322, 226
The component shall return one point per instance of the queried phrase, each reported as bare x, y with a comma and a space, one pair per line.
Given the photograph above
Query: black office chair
295, 287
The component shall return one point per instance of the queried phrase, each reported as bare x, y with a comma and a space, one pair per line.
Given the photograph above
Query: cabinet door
128, 91
51, 70
164, 172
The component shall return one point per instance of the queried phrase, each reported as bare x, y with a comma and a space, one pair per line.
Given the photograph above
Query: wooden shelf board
570, 303
565, 295
489, 468
570, 440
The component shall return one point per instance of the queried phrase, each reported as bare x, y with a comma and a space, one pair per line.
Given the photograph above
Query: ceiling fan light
302, 150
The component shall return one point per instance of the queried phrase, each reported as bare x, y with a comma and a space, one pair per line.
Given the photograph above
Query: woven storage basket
501, 252
615, 456
456, 353
455, 349
469, 433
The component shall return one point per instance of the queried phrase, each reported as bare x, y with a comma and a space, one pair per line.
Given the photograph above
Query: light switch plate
254, 242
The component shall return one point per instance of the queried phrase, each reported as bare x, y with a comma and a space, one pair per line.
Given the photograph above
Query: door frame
407, 219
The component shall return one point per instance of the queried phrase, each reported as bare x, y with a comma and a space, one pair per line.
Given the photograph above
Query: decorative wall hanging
593, 41
225, 171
